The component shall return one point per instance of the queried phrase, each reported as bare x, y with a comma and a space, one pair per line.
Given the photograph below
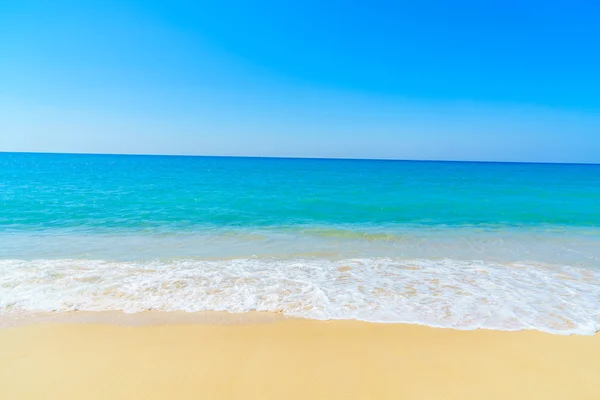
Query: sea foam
443, 292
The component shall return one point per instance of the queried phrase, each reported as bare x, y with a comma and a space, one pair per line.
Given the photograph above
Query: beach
143, 277
307, 200
232, 357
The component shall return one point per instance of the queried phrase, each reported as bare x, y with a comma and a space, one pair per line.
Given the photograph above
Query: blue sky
464, 80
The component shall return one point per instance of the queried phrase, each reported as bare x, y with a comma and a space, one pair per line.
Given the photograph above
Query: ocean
464, 245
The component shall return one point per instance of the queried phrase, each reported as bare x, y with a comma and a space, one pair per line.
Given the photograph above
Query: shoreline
267, 356
434, 292
166, 318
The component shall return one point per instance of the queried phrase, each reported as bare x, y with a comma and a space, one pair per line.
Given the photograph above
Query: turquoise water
189, 193
466, 245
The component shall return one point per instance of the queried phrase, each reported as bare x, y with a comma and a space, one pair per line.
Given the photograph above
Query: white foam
444, 293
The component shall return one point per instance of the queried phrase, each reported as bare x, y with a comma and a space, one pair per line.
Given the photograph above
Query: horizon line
299, 158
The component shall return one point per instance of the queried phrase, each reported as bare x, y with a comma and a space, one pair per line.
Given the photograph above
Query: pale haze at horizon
509, 82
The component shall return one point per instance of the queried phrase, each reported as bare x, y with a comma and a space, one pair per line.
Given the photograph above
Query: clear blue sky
462, 80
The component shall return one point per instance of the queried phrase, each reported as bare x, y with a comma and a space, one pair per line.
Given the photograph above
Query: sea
464, 245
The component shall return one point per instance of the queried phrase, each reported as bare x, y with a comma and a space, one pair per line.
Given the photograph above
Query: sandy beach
276, 358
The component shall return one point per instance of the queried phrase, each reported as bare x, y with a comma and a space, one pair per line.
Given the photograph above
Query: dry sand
292, 359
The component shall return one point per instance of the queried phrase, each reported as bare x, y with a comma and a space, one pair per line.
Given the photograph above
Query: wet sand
268, 357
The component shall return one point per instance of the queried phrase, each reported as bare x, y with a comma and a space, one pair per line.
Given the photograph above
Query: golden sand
293, 359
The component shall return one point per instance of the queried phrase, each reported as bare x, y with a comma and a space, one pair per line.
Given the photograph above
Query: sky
436, 80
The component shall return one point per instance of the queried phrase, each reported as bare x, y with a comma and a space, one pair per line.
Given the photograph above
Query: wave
443, 293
